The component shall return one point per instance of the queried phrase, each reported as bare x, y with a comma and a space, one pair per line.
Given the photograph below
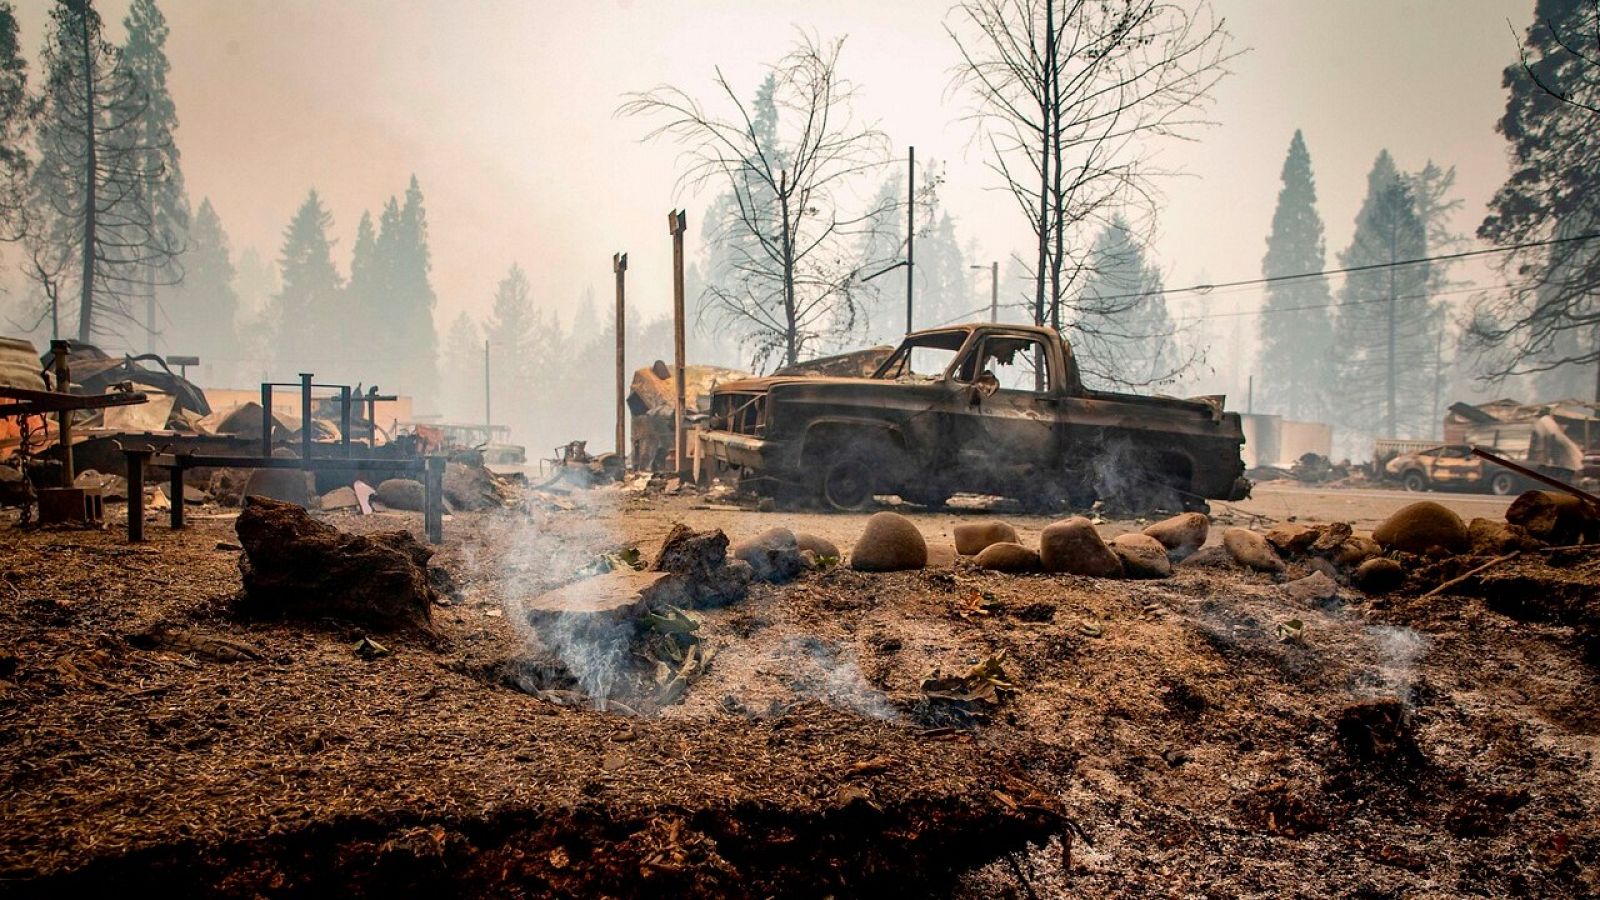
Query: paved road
1362, 507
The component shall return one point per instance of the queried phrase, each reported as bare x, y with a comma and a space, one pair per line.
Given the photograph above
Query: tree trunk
90, 165
1046, 127
792, 354
1057, 200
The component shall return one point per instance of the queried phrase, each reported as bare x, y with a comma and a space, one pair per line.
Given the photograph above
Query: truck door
1015, 430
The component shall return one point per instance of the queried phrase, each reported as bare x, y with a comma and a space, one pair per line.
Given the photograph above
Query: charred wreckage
980, 408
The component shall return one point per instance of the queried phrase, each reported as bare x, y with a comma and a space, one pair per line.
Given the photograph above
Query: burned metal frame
431, 468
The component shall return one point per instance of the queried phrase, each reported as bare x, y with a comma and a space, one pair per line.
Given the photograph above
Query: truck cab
980, 408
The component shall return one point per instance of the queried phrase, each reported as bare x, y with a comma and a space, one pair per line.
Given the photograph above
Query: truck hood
762, 385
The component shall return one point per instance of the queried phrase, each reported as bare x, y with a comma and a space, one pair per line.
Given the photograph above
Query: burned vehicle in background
980, 408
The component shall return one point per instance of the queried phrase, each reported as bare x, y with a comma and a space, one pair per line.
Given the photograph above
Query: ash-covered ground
1216, 733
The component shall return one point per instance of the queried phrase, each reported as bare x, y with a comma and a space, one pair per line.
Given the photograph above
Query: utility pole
487, 419
994, 289
1394, 249
1438, 372
677, 223
619, 265
911, 230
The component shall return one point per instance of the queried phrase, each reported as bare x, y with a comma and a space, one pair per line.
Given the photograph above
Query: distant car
1453, 467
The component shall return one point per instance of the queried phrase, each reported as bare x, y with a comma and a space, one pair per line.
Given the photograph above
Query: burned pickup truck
981, 408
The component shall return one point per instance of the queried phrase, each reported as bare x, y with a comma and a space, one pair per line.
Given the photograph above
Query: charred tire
1415, 481
1503, 484
850, 476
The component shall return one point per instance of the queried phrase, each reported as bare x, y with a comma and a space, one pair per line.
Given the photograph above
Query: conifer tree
205, 306
17, 110
414, 366
159, 185
1387, 325
1131, 339
1295, 356
95, 236
308, 312
462, 394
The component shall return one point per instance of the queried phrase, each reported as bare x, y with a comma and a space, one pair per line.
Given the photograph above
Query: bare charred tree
785, 235
91, 229
1548, 320
1068, 96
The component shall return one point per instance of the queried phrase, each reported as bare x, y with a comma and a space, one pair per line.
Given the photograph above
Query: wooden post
677, 224
266, 418
433, 499
344, 419
175, 488
136, 461
59, 351
305, 415
619, 265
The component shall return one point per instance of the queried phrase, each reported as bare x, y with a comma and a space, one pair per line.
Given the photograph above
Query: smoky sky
506, 112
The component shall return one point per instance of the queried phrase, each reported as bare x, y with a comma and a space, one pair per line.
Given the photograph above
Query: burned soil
1212, 733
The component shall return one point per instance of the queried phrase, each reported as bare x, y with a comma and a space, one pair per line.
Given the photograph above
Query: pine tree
1294, 323
1549, 315
882, 318
462, 396
308, 312
159, 186
96, 235
514, 333
1387, 326
414, 367
204, 308
1130, 339
17, 111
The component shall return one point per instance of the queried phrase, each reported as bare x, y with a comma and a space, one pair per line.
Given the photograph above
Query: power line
1443, 257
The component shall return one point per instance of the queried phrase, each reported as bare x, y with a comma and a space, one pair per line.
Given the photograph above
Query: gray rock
1313, 588
1251, 550
773, 555
1007, 556
1142, 556
820, 546
1074, 546
401, 493
1379, 575
1181, 534
1422, 526
889, 543
972, 537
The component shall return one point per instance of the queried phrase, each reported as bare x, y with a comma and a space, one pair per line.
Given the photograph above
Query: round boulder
1420, 527
1008, 556
1379, 575
1182, 534
1292, 538
401, 493
972, 537
1251, 550
1074, 547
820, 546
1142, 556
773, 555
286, 485
1355, 550
889, 543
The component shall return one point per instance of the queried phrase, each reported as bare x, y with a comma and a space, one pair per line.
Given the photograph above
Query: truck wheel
850, 479
1502, 484
1415, 481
